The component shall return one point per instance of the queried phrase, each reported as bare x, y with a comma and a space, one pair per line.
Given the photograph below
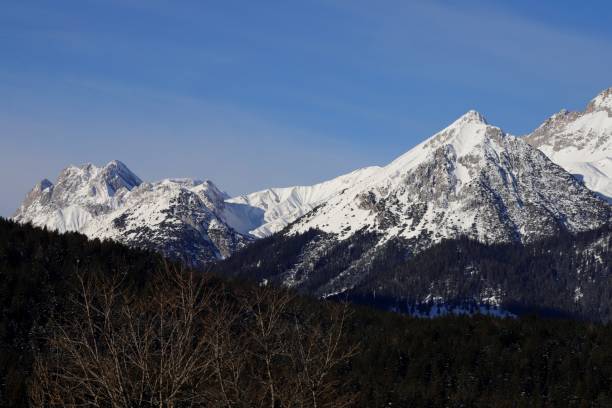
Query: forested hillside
569, 275
377, 358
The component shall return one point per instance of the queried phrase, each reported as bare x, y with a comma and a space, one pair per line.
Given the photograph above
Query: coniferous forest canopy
96, 322
568, 275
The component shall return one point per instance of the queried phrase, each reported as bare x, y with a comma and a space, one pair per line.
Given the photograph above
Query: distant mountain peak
117, 163
117, 175
116, 166
603, 101
181, 218
581, 143
470, 116
468, 132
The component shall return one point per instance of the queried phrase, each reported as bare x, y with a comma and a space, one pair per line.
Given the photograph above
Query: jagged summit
581, 142
603, 101
592, 119
79, 194
469, 129
100, 183
471, 116
181, 218
563, 115
470, 134
118, 175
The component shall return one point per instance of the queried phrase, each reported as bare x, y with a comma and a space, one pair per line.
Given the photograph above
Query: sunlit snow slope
281, 206
469, 179
581, 142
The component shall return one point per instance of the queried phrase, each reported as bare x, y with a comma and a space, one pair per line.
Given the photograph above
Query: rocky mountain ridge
181, 218
470, 179
581, 142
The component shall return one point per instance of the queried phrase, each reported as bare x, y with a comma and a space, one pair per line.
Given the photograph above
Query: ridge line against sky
259, 94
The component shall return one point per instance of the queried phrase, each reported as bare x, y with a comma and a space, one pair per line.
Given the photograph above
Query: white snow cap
471, 116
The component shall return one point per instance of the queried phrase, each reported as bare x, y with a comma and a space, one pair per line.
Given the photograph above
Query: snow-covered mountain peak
603, 101
117, 175
210, 194
181, 218
465, 143
581, 142
465, 133
193, 184
470, 179
469, 135
558, 119
101, 183
578, 135
470, 116
79, 194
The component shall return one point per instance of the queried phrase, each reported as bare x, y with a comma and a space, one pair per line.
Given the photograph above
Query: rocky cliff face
581, 143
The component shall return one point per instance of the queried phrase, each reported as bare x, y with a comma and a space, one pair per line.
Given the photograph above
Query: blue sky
254, 94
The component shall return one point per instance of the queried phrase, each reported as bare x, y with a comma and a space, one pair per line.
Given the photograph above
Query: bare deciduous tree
318, 350
297, 353
182, 343
121, 350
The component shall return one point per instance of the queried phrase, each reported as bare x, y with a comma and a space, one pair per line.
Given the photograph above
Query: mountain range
470, 181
